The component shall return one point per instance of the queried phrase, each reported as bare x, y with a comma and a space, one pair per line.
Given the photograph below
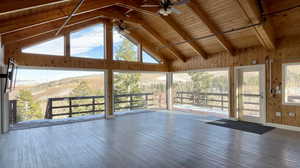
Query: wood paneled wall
288, 50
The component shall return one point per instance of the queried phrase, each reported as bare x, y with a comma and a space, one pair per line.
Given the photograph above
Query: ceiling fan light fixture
165, 12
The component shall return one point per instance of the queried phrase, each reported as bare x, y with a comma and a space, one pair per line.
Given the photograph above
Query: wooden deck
148, 140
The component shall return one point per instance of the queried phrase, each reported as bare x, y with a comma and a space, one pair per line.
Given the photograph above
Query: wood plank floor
148, 140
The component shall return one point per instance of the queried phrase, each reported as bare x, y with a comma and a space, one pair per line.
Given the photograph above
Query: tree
126, 51
27, 108
82, 89
201, 81
126, 83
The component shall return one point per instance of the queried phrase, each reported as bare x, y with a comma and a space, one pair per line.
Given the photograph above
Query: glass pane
51, 47
88, 42
292, 84
147, 58
250, 94
34, 87
139, 91
205, 92
123, 48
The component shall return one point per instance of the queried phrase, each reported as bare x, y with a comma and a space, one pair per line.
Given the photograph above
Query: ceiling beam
26, 21
70, 16
137, 7
264, 32
7, 6
183, 34
163, 41
40, 29
196, 9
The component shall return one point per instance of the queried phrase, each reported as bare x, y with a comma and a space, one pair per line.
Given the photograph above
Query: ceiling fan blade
176, 11
149, 6
181, 2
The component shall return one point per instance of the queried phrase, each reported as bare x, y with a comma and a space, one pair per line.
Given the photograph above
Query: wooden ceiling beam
7, 26
7, 6
137, 7
51, 34
163, 41
46, 27
70, 16
264, 32
196, 9
184, 35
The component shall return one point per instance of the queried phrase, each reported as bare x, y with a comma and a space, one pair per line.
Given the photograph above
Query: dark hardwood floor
148, 140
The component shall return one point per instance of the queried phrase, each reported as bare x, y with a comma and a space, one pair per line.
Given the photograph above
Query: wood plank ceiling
204, 27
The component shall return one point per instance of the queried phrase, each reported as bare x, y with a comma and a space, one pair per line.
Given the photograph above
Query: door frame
261, 67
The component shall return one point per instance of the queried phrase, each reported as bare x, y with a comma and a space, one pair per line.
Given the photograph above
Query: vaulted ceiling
204, 27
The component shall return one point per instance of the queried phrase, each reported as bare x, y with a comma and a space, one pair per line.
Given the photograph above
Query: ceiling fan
167, 6
121, 26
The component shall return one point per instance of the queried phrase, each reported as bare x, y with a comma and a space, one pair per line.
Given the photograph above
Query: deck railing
92, 103
216, 100
71, 103
12, 111
133, 101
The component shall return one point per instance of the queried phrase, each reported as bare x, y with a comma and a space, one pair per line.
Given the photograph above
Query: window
291, 85
51, 47
34, 87
123, 48
88, 42
202, 92
139, 90
147, 58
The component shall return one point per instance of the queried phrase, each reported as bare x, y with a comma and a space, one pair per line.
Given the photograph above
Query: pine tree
82, 89
126, 83
27, 108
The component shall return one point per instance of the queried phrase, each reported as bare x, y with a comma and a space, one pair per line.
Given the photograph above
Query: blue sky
88, 42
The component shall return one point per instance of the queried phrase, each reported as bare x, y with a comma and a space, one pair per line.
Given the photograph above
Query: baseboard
286, 127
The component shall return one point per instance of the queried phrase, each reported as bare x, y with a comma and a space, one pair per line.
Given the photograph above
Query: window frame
283, 91
68, 47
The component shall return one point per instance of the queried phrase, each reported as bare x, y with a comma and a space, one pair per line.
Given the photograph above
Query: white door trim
260, 67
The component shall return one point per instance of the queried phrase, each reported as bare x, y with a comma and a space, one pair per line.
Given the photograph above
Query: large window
202, 92
51, 47
291, 84
88, 42
124, 49
134, 90
38, 89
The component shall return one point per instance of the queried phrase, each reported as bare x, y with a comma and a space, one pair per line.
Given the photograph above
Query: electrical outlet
292, 114
278, 114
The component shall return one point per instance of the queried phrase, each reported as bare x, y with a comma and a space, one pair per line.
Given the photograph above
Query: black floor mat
242, 125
